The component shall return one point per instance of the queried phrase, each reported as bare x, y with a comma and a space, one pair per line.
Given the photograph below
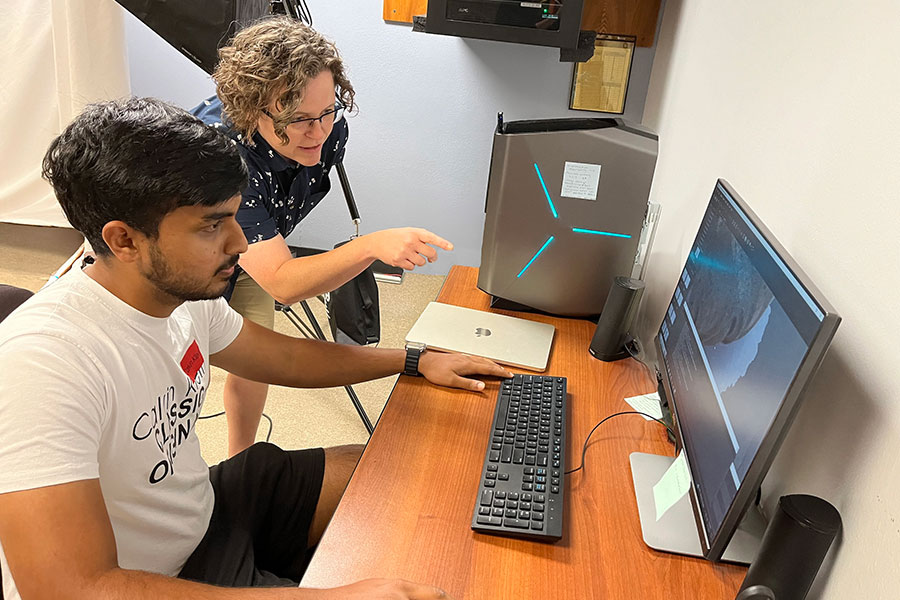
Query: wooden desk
408, 508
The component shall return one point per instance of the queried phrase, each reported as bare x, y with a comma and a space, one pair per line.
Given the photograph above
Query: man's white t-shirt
93, 388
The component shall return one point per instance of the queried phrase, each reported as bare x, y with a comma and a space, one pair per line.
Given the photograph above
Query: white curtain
56, 56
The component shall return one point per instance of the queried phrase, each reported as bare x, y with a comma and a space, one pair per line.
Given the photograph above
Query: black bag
353, 308
353, 312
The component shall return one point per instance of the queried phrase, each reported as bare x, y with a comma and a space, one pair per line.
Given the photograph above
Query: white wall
56, 57
795, 104
420, 145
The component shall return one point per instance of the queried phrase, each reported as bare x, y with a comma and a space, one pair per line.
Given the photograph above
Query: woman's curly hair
274, 59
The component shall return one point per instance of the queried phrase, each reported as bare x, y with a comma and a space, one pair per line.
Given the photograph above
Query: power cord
633, 412
618, 414
219, 414
634, 349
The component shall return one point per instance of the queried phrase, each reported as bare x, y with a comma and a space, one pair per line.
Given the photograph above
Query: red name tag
192, 360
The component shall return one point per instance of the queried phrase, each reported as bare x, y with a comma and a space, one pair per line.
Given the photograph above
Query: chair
10, 299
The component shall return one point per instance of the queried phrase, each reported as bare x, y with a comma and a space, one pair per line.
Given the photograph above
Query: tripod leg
312, 319
359, 409
321, 335
297, 321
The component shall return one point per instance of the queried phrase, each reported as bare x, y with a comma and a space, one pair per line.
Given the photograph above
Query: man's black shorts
265, 501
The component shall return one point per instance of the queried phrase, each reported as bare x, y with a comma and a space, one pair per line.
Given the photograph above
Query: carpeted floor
301, 418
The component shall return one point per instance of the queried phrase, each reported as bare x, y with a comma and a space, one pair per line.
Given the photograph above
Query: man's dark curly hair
137, 160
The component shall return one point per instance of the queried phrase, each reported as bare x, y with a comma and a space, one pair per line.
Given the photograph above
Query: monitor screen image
743, 333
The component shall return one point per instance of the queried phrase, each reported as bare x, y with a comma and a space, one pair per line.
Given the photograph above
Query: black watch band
411, 367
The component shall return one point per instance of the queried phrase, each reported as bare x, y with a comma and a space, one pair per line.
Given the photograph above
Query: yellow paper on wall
600, 83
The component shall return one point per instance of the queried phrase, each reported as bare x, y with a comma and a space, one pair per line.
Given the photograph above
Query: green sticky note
672, 486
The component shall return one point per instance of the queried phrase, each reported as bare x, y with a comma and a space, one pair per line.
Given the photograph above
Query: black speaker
616, 319
792, 549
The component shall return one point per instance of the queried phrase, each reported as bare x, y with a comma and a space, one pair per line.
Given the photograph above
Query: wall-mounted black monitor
743, 334
554, 23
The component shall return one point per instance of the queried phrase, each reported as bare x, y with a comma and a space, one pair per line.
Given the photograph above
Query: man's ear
123, 240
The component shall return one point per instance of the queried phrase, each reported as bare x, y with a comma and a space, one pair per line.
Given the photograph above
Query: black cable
655, 376
220, 413
269, 419
634, 354
618, 414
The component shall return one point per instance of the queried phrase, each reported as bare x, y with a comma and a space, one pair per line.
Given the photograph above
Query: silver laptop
507, 340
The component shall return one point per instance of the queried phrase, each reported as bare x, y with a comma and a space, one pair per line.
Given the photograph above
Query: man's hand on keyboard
450, 370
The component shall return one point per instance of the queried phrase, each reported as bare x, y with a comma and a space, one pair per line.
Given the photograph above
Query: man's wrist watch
413, 353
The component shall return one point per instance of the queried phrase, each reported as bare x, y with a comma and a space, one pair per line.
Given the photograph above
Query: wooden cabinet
402, 11
623, 17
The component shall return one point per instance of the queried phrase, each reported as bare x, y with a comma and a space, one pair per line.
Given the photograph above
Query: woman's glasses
306, 123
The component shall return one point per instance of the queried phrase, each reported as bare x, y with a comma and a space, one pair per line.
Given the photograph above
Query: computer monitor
743, 334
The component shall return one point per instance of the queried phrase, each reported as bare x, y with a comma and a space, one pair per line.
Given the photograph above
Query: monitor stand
677, 531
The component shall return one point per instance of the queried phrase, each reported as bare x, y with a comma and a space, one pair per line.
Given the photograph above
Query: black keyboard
521, 488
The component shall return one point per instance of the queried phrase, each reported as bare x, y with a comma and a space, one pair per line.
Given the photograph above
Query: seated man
103, 491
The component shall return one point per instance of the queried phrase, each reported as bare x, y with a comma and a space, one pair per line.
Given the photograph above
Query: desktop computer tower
565, 210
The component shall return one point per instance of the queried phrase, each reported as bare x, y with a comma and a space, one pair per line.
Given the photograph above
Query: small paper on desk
672, 486
646, 403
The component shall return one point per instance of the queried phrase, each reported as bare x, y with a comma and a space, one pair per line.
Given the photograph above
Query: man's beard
183, 287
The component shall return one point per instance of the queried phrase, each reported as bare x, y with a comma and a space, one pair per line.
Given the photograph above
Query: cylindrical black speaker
792, 550
616, 319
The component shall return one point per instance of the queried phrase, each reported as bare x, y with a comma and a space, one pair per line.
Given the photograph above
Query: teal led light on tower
566, 203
